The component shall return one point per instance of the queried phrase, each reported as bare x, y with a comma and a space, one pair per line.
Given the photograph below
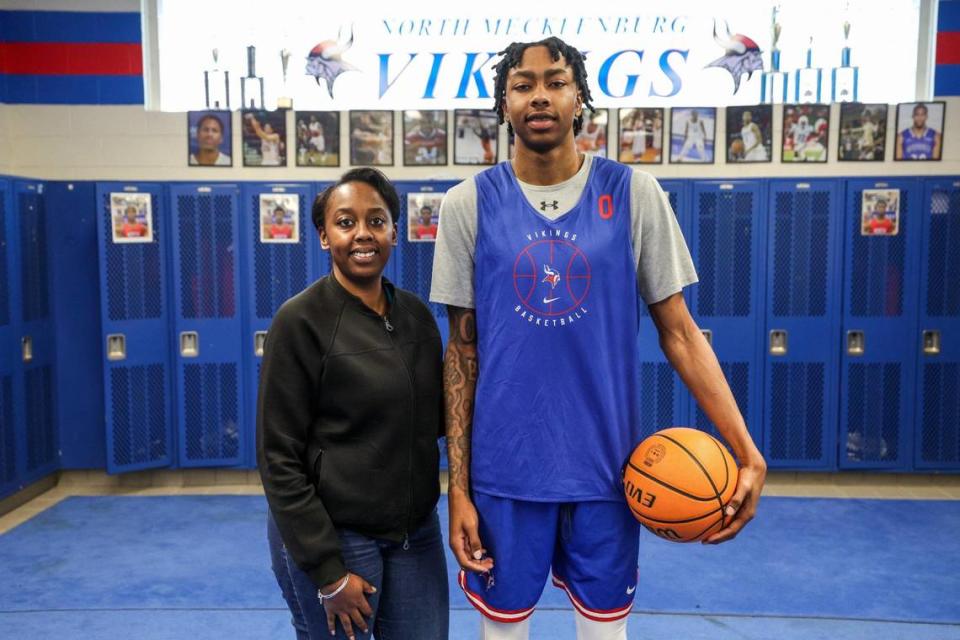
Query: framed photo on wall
424, 138
209, 139
919, 131
880, 212
371, 138
318, 138
264, 136
693, 132
423, 216
475, 136
863, 132
593, 136
806, 131
279, 218
131, 217
641, 136
750, 133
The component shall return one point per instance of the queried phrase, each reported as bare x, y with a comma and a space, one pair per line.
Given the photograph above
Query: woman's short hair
372, 177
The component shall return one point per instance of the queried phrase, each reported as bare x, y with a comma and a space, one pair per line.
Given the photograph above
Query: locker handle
708, 334
189, 344
856, 343
931, 342
778, 342
26, 348
259, 338
116, 346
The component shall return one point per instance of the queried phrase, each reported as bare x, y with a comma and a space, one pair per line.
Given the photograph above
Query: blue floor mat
860, 560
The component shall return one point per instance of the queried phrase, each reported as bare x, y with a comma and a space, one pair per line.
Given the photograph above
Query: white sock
592, 630
490, 630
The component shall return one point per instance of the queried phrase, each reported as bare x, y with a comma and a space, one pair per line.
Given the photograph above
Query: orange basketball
736, 148
677, 483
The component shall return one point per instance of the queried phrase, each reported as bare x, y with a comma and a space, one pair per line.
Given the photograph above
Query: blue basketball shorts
590, 547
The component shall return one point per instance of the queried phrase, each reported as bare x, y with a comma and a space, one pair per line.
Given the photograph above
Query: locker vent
211, 423
657, 391
4, 257
41, 437
800, 238
940, 423
33, 257
725, 254
8, 445
138, 414
134, 272
796, 411
943, 257
416, 265
877, 265
207, 254
873, 412
280, 270
738, 377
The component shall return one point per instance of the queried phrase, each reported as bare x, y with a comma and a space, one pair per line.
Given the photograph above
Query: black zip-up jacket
349, 410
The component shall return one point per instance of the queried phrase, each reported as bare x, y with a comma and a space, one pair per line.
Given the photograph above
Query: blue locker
321, 265
207, 325
802, 320
134, 318
879, 333
42, 452
11, 404
664, 401
937, 440
727, 233
273, 272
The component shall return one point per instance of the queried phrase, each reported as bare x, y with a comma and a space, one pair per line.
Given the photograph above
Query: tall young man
542, 262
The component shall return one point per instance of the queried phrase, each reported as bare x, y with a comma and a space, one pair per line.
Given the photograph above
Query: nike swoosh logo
630, 590
549, 300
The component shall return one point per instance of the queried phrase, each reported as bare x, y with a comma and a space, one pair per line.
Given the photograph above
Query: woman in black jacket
349, 411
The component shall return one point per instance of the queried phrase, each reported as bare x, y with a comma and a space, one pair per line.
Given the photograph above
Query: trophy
773, 83
251, 84
216, 85
284, 101
845, 78
808, 81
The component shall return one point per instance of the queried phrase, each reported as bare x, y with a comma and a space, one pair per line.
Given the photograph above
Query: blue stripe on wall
946, 80
71, 89
69, 26
948, 16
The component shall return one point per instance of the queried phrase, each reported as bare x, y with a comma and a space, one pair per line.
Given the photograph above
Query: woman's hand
350, 606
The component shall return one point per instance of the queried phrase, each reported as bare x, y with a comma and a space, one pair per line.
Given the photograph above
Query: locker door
937, 443
273, 272
802, 319
321, 259
11, 404
879, 332
134, 317
207, 325
37, 355
664, 400
727, 233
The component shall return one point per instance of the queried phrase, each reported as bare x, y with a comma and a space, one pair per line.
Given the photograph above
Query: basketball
736, 148
677, 483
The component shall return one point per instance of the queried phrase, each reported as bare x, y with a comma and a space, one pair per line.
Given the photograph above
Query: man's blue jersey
557, 398
918, 147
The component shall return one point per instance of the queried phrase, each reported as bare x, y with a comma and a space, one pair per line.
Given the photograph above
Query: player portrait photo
750, 133
806, 128
264, 135
475, 136
371, 138
919, 131
593, 136
424, 138
880, 212
209, 139
131, 217
693, 132
423, 216
641, 136
318, 138
863, 132
279, 218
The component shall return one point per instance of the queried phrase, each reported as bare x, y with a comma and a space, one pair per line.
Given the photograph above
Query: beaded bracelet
335, 592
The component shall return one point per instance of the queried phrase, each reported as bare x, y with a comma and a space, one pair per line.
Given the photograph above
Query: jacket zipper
413, 401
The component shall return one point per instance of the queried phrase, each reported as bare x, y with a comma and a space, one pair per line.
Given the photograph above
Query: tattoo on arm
459, 391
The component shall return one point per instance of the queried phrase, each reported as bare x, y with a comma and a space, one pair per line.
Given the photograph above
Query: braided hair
512, 56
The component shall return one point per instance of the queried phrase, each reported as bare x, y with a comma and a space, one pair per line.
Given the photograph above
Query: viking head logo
742, 55
324, 60
551, 275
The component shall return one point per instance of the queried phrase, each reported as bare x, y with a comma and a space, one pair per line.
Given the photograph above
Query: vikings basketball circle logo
552, 279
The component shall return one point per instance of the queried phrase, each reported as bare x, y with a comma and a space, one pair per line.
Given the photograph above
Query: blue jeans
412, 600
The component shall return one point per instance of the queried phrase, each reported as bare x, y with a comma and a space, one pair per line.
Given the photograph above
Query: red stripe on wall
948, 47
65, 59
